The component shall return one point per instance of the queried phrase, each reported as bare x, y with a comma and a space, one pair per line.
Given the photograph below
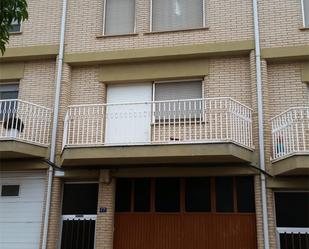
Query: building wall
231, 21
42, 27
286, 87
38, 84
281, 23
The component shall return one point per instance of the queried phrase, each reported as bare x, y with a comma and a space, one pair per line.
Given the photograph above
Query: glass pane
120, 17
224, 194
123, 195
10, 190
198, 194
292, 209
80, 199
142, 195
167, 197
245, 194
296, 240
176, 14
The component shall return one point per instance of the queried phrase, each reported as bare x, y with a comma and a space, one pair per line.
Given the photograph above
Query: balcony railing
215, 120
292, 237
24, 121
290, 133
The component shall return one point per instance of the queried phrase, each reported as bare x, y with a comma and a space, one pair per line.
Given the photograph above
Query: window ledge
16, 33
118, 35
176, 30
303, 28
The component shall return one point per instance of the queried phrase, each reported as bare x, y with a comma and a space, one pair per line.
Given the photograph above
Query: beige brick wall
229, 77
105, 221
43, 25
38, 84
55, 214
286, 89
280, 23
227, 22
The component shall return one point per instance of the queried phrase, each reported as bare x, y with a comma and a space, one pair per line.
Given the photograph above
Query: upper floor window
119, 17
305, 8
15, 27
177, 14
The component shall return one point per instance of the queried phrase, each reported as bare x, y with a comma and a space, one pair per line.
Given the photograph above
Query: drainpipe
260, 121
55, 124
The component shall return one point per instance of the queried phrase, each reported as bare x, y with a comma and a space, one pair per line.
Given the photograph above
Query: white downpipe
260, 121
55, 124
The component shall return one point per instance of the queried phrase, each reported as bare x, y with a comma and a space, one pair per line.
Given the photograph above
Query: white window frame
303, 14
176, 81
20, 28
151, 19
104, 21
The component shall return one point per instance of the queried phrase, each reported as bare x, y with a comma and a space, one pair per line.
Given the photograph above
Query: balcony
202, 130
290, 142
24, 129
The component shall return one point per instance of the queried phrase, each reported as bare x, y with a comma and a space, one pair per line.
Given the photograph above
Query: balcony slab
293, 165
14, 149
155, 155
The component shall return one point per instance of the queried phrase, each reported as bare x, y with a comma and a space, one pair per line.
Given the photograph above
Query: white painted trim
303, 13
204, 13
79, 217
104, 16
302, 230
150, 16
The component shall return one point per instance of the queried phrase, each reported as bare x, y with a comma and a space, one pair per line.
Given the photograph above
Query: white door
128, 123
21, 209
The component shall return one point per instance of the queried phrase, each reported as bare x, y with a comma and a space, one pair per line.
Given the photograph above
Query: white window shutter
176, 14
119, 17
178, 90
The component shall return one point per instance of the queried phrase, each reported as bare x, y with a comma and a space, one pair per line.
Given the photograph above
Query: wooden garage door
190, 213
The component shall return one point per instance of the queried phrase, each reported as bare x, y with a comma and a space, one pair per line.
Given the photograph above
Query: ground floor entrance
185, 213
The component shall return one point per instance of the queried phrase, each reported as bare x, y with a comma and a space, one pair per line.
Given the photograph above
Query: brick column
54, 214
105, 220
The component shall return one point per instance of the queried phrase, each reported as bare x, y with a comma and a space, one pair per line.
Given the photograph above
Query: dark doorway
79, 210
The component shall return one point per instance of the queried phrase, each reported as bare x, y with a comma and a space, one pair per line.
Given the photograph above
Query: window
7, 92
224, 194
10, 190
15, 27
142, 195
123, 195
305, 9
245, 194
178, 100
167, 195
292, 209
177, 14
119, 17
80, 199
198, 194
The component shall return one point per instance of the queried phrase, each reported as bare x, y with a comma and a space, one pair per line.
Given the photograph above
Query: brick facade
229, 75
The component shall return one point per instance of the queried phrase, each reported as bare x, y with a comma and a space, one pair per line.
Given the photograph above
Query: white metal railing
211, 120
290, 132
24, 121
292, 237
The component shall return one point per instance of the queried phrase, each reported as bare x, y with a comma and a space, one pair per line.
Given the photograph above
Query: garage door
21, 205
187, 213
